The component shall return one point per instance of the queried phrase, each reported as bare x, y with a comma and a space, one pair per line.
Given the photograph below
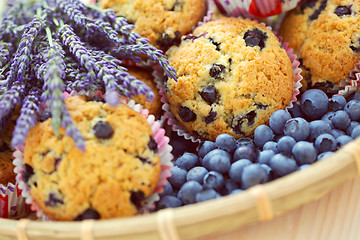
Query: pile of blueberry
314, 128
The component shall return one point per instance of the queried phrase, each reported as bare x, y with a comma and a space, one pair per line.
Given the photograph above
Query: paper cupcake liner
182, 131
255, 8
164, 151
352, 82
11, 202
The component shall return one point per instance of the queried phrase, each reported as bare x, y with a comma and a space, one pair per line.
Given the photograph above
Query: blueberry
217, 70
196, 174
297, 128
255, 37
168, 202
226, 142
103, 130
342, 10
337, 133
178, 177
355, 132
53, 200
265, 156
271, 145
28, 172
337, 102
342, 140
352, 108
214, 180
285, 144
188, 191
44, 116
215, 156
211, 117
353, 124
186, 114
341, 120
238, 121
327, 117
206, 147
304, 152
317, 128
295, 111
236, 170
324, 155
167, 190
278, 119
229, 186
152, 145
245, 141
267, 169
209, 94
314, 103
252, 175
305, 166
219, 162
281, 164
245, 152
317, 12
206, 195
137, 198
262, 135
88, 214
217, 44
187, 161
325, 142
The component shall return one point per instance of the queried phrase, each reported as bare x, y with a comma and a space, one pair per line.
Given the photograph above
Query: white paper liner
11, 202
352, 82
164, 151
182, 131
255, 8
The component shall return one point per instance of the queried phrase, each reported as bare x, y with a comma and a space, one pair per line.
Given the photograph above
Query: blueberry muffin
6, 134
154, 107
7, 174
118, 170
325, 35
163, 22
232, 75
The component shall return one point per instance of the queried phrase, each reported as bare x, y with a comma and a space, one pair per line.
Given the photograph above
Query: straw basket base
336, 216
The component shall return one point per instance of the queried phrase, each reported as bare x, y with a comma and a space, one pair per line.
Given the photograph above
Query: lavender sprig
27, 118
10, 99
81, 53
53, 93
21, 58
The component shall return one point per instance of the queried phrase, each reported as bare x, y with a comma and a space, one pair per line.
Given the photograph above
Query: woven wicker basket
239, 215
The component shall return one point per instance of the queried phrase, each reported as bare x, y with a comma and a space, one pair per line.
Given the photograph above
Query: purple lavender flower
10, 99
53, 94
27, 118
81, 53
21, 58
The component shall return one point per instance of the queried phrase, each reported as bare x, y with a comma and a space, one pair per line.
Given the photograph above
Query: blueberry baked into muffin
232, 75
118, 170
325, 35
163, 22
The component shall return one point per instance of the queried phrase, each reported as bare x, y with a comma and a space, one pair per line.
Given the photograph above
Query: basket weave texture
211, 218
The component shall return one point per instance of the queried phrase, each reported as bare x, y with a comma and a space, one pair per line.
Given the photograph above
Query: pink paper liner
255, 8
182, 131
164, 151
11, 202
